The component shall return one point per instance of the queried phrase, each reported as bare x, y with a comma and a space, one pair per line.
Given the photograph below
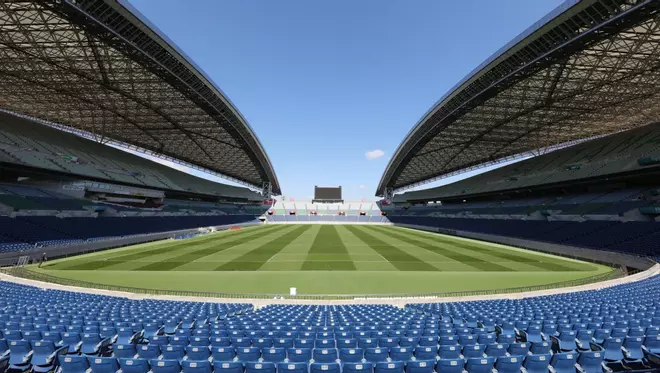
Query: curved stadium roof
98, 66
588, 68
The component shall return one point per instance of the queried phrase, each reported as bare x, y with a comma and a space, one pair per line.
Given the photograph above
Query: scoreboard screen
327, 193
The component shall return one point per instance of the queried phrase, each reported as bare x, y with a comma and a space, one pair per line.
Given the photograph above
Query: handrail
31, 275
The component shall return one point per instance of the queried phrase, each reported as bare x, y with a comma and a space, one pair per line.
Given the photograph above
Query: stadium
117, 256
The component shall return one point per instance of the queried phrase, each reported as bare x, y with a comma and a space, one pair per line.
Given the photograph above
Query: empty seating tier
613, 328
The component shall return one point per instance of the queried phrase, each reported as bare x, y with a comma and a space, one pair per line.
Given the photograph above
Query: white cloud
374, 154
362, 187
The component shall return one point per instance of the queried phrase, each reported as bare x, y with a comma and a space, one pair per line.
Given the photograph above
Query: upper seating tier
27, 143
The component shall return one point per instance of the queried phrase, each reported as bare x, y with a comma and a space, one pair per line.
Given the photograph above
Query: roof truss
90, 65
593, 74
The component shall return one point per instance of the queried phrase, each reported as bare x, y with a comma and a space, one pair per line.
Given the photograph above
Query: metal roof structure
100, 67
588, 68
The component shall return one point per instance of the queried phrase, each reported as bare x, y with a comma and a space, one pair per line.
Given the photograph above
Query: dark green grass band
188, 256
400, 259
328, 245
254, 259
109, 259
471, 260
539, 261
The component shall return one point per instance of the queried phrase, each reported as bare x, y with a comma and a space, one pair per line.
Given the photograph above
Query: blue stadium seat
324, 368
291, 367
521, 349
509, 364
94, 345
600, 335
299, 355
220, 342
196, 366
537, 363
199, 353
246, 354
388, 343
20, 354
45, 356
227, 367
161, 340
564, 362
223, 353
612, 349
410, 342
73, 364
496, 349
367, 343
376, 354
72, 341
450, 365
565, 342
389, 367
124, 351
420, 366
262, 343
134, 365
401, 354
148, 351
473, 351
174, 352
591, 362
103, 364
179, 340
325, 355
274, 355
303, 343
257, 367
357, 367
480, 364
199, 341
351, 355
532, 334
584, 339
283, 342
166, 366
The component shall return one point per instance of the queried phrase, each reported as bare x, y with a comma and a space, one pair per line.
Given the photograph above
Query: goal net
23, 261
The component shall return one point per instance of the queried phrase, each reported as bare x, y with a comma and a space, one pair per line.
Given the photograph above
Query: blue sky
326, 83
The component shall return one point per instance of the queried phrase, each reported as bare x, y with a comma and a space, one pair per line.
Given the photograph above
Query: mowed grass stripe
100, 262
474, 261
400, 259
328, 252
538, 261
363, 256
292, 257
190, 255
253, 260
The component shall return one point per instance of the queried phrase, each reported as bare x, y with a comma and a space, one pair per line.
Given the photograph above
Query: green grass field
322, 259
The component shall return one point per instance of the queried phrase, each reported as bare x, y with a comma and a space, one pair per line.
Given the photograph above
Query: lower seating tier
23, 232
633, 237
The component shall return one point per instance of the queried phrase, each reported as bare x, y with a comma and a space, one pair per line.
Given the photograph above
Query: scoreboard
327, 193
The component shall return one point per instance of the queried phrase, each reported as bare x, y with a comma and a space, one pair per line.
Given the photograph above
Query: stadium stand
45, 330
328, 212
26, 143
571, 196
633, 237
615, 154
26, 232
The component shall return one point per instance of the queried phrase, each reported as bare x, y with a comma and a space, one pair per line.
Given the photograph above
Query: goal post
23, 261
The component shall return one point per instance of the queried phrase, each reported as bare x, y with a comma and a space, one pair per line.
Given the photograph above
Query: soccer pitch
322, 259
